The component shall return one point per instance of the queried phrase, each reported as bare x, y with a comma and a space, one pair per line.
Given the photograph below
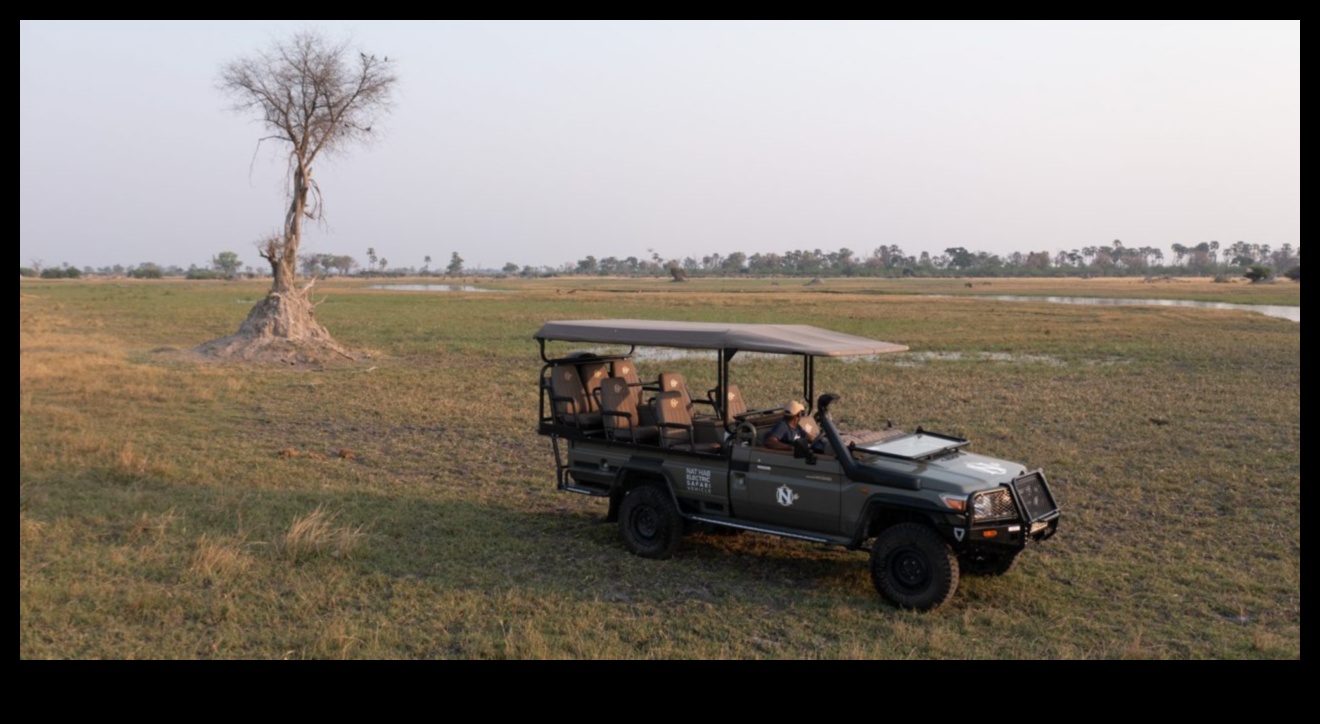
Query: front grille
994, 504
1035, 496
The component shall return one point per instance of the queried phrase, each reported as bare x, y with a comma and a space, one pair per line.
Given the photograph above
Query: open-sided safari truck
931, 509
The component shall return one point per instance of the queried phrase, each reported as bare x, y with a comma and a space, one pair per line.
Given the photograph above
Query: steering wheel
745, 433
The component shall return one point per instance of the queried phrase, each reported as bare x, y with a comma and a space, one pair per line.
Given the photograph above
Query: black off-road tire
987, 563
649, 523
913, 567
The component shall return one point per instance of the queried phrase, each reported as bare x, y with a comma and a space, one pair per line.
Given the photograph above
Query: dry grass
130, 463
316, 533
219, 560
158, 518
154, 527
29, 530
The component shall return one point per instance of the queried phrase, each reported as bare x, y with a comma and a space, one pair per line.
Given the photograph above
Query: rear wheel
913, 567
649, 523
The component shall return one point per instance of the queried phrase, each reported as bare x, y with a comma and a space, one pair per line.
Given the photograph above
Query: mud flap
612, 514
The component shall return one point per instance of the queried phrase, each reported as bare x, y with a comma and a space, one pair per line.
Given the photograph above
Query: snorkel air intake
859, 473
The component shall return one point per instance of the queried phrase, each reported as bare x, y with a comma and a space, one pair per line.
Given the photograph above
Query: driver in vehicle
789, 429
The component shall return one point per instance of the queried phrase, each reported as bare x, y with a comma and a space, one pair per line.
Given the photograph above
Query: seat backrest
627, 370
734, 404
593, 374
671, 409
809, 426
617, 397
674, 382
566, 387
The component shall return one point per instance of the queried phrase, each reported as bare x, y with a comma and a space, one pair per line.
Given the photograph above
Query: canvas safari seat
677, 428
593, 373
809, 426
621, 415
569, 398
734, 404
674, 382
819, 443
626, 370
735, 410
735, 416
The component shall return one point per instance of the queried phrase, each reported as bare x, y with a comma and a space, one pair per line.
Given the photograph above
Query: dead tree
317, 97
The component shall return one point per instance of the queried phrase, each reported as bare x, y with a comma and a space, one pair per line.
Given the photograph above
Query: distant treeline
1203, 259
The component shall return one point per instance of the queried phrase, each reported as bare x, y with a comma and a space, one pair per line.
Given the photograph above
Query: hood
962, 472
965, 472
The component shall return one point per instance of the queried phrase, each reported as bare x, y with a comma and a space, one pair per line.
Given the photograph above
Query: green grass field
403, 507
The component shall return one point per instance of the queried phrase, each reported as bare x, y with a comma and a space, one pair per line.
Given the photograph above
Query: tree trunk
283, 326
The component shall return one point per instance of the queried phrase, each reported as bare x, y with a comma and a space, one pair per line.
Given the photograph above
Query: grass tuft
29, 529
316, 533
153, 527
218, 560
130, 463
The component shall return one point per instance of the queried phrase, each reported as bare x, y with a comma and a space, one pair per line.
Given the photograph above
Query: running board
593, 492
771, 530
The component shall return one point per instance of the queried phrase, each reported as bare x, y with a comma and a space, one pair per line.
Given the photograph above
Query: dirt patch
296, 353
281, 330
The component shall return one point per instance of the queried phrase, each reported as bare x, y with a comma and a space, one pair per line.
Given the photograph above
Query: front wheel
913, 567
649, 523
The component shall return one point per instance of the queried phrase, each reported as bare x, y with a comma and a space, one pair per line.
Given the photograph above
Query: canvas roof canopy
798, 339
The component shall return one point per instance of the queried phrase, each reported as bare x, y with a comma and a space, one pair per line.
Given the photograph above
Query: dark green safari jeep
929, 508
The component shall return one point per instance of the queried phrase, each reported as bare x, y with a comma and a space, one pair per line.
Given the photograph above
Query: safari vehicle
930, 509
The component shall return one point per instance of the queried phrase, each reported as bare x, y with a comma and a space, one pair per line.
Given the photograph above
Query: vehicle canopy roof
800, 339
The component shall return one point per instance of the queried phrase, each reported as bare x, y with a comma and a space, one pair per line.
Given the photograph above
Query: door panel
777, 488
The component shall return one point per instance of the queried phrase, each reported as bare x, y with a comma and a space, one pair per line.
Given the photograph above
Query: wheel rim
910, 568
645, 523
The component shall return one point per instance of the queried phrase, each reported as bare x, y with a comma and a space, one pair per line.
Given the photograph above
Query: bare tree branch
315, 97
319, 97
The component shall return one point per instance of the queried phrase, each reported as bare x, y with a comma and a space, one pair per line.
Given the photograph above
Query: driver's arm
772, 440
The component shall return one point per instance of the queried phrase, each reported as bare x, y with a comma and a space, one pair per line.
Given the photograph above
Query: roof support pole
809, 380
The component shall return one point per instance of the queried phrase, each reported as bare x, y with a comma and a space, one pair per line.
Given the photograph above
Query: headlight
993, 505
954, 502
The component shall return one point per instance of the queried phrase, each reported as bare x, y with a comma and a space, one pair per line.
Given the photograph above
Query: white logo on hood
988, 468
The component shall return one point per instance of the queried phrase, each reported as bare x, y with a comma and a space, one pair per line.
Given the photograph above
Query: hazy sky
542, 142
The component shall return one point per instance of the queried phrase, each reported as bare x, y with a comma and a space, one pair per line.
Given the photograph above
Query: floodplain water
1293, 314
431, 288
